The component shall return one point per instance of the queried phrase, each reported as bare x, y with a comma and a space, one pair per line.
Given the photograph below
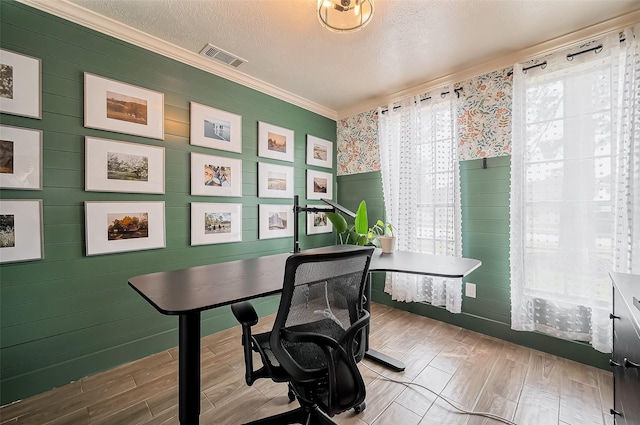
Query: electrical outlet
470, 290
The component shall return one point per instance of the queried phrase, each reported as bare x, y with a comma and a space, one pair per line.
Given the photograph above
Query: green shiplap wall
485, 236
68, 315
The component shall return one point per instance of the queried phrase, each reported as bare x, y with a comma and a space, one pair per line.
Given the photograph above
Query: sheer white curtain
421, 187
575, 188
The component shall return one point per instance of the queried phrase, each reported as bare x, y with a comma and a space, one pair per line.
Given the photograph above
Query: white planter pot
387, 243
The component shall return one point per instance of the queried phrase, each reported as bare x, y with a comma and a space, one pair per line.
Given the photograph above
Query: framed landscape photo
319, 152
20, 230
20, 158
20, 85
275, 221
112, 166
275, 142
319, 185
215, 175
275, 181
317, 222
215, 223
124, 226
216, 129
114, 106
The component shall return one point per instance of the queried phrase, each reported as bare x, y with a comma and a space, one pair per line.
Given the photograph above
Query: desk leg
373, 355
189, 369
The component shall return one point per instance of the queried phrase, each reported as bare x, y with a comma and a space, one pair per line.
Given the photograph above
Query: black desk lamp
298, 209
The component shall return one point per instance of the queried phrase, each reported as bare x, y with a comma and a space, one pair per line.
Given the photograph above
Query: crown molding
544, 48
87, 18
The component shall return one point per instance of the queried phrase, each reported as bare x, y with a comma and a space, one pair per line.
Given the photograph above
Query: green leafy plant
360, 233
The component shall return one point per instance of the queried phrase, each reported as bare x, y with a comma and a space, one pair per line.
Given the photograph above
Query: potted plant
383, 232
380, 235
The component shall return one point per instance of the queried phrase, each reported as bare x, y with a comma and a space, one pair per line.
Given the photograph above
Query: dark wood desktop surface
214, 285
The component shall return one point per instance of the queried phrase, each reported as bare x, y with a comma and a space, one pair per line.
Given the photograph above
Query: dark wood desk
187, 292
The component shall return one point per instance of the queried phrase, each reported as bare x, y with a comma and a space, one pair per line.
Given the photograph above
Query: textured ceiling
407, 44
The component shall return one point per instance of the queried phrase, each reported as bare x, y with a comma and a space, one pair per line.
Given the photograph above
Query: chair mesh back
326, 299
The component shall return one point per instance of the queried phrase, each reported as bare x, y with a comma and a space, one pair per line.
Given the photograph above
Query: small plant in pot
380, 235
383, 234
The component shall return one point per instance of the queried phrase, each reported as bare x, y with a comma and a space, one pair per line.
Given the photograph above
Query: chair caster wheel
360, 407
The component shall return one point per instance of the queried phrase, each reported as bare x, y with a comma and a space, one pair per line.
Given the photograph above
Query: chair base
306, 416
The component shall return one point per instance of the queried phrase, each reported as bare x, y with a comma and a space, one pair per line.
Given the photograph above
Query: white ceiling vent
218, 54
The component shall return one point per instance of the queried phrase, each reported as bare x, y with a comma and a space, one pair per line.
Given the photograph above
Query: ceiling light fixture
345, 15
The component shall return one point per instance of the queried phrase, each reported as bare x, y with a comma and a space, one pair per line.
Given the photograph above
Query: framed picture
20, 158
275, 221
319, 185
124, 226
20, 85
112, 166
275, 181
275, 142
215, 223
114, 106
317, 222
20, 230
215, 175
319, 152
214, 128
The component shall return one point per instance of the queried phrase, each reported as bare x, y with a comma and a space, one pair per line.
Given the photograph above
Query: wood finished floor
471, 369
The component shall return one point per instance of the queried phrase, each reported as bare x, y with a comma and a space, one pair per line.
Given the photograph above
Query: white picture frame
275, 221
275, 181
102, 237
20, 84
122, 108
216, 129
318, 222
21, 230
319, 152
213, 223
215, 175
113, 166
319, 185
20, 158
275, 142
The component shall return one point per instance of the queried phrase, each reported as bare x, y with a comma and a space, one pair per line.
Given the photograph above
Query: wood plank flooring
470, 369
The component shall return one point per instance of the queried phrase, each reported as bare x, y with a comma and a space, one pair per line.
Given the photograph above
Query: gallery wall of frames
116, 162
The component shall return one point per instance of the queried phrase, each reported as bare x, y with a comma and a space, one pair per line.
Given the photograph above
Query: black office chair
317, 337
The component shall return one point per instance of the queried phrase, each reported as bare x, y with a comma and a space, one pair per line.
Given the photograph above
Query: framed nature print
319, 185
215, 223
20, 158
215, 175
317, 222
124, 226
114, 106
20, 230
20, 85
275, 142
275, 181
319, 152
275, 221
214, 128
112, 166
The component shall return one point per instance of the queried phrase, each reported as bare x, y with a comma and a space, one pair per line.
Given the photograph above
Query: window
568, 150
420, 176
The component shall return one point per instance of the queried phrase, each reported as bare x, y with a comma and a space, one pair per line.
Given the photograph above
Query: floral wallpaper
357, 144
484, 116
484, 125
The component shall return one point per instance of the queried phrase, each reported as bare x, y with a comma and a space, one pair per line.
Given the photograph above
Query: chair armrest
245, 313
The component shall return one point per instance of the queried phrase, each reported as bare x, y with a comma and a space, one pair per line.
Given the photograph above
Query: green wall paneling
69, 315
485, 236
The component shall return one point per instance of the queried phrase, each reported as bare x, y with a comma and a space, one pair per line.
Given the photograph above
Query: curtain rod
570, 56
443, 94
